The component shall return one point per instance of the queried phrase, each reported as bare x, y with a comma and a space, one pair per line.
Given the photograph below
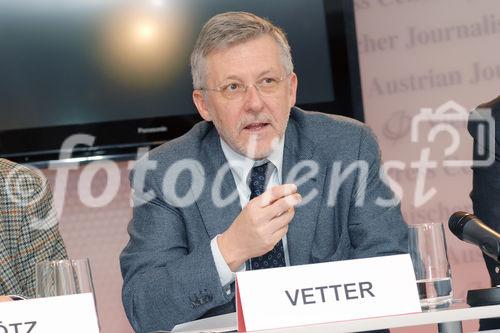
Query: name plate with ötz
60, 314
326, 292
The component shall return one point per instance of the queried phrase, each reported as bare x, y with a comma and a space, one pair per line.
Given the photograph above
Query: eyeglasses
266, 86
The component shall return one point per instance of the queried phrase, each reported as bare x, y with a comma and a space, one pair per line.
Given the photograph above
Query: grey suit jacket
169, 273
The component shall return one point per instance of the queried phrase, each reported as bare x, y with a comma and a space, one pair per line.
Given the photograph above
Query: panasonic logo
141, 130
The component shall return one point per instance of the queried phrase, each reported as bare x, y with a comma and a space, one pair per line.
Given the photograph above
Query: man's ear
293, 88
201, 105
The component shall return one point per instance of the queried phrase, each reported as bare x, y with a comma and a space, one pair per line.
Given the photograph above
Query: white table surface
456, 313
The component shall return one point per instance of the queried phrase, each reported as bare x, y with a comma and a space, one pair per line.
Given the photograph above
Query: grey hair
231, 28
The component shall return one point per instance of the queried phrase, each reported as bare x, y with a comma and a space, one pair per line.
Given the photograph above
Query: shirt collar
241, 165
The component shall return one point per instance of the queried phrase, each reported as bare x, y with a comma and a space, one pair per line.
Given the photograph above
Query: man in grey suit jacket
196, 218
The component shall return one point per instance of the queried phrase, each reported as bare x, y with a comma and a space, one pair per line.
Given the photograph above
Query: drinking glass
427, 248
63, 277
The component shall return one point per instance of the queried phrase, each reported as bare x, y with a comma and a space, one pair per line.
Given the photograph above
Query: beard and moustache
250, 149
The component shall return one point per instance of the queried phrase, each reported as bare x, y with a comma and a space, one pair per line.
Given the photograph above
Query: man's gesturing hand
259, 226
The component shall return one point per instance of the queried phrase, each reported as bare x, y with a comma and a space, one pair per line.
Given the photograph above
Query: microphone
471, 229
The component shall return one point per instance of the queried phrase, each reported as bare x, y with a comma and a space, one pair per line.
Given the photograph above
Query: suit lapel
302, 228
217, 218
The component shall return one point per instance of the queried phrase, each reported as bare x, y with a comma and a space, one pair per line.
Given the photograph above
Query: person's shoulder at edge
15, 177
493, 104
479, 114
480, 111
10, 172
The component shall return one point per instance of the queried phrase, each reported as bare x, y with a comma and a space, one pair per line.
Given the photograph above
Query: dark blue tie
276, 257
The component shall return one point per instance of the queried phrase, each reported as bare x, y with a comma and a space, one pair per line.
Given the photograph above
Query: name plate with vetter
326, 292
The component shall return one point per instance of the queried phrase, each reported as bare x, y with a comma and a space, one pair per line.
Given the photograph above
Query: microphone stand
471, 229
483, 297
487, 296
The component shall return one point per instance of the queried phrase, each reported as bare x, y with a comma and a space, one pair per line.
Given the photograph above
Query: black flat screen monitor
119, 70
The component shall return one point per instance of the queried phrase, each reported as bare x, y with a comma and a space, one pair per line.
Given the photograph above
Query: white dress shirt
240, 167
